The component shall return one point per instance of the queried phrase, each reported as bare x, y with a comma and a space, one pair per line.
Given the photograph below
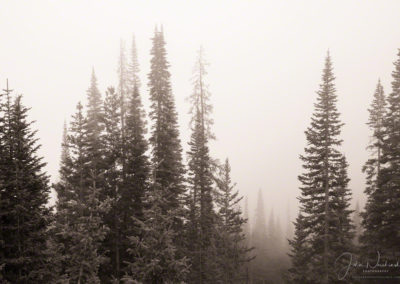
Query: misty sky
266, 59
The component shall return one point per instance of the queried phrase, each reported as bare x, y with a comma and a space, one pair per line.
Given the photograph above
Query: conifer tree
202, 218
137, 173
24, 217
232, 249
166, 149
113, 182
324, 193
78, 225
166, 187
383, 220
372, 216
93, 128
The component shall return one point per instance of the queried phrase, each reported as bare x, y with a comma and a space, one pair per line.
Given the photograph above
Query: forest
133, 207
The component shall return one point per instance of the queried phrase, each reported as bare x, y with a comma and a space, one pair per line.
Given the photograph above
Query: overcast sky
265, 57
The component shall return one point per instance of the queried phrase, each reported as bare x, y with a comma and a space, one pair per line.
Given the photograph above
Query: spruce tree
383, 221
372, 216
167, 168
24, 217
79, 227
324, 194
166, 186
93, 128
202, 218
232, 248
113, 182
137, 173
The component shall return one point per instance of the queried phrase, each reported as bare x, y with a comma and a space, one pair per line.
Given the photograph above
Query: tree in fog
167, 168
24, 194
233, 251
79, 229
382, 214
128, 173
259, 238
158, 252
202, 218
372, 216
324, 200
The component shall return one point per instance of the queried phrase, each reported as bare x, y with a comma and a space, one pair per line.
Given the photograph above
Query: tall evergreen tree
113, 182
324, 193
383, 222
78, 225
93, 128
157, 252
372, 216
166, 149
137, 173
24, 217
202, 218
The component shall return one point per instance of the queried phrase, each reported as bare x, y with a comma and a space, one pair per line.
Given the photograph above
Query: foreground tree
383, 222
324, 199
158, 251
373, 214
24, 217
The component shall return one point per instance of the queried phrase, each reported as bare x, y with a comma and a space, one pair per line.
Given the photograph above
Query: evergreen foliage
24, 193
324, 199
233, 252
78, 225
382, 212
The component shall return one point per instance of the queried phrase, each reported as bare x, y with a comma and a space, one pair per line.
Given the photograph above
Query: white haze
266, 61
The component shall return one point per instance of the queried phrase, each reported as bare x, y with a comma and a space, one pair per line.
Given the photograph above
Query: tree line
128, 209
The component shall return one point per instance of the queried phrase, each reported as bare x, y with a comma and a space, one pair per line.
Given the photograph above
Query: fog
265, 57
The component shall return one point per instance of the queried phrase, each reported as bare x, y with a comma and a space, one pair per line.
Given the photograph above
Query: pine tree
137, 173
202, 218
24, 217
166, 149
232, 249
324, 194
93, 128
79, 227
166, 186
372, 216
383, 222
113, 183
